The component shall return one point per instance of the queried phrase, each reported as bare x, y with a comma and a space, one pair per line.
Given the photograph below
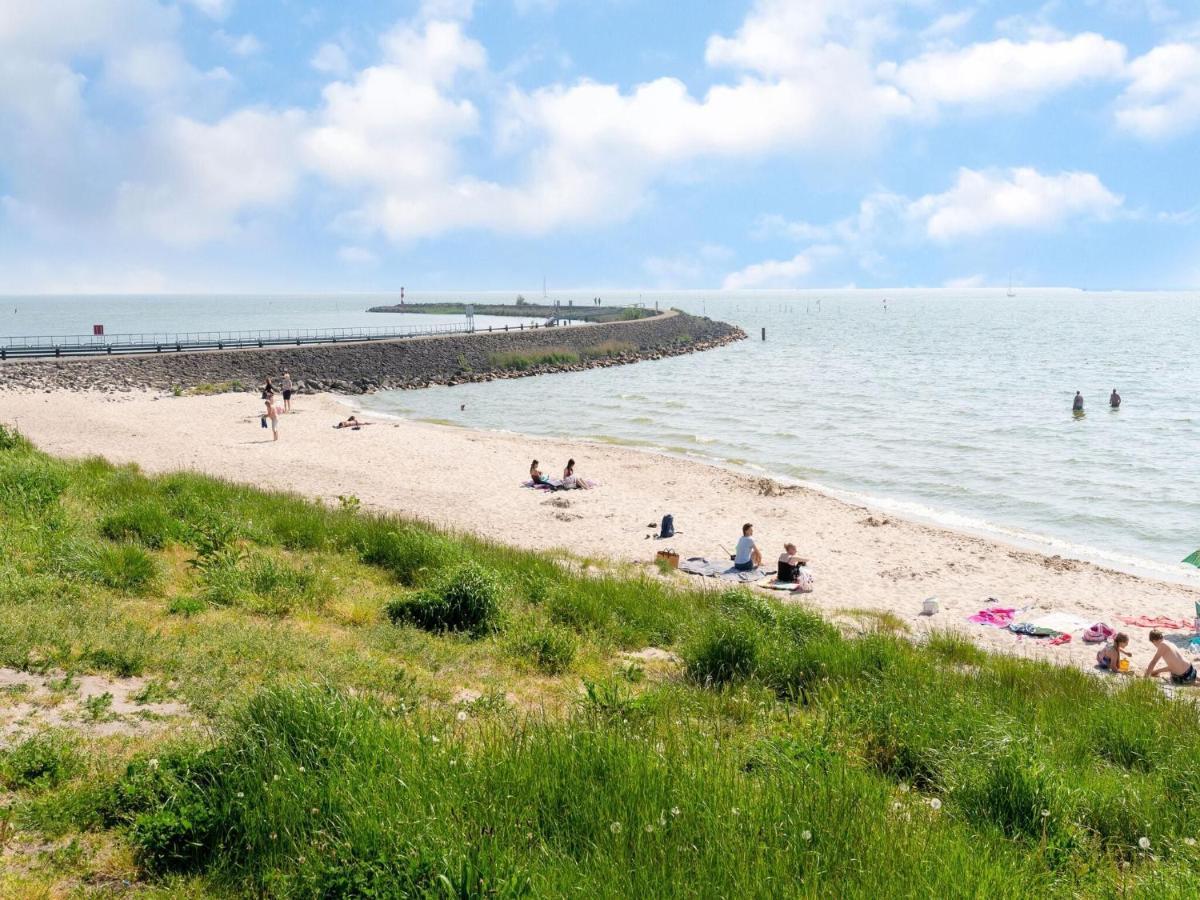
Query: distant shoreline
583, 313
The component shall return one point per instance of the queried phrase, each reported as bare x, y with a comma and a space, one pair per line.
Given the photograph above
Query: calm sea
950, 407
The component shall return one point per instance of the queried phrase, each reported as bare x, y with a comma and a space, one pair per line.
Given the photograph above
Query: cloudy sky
283, 145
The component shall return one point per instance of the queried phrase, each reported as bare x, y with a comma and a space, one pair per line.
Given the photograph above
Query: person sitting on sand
1109, 657
570, 480
748, 556
789, 565
535, 474
1180, 670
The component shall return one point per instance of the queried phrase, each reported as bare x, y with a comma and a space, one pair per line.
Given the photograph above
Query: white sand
469, 480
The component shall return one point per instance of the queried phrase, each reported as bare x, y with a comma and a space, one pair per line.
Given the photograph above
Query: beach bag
804, 582
670, 557
668, 526
1097, 634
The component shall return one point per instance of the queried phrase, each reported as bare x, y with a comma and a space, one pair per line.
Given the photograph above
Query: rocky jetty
358, 368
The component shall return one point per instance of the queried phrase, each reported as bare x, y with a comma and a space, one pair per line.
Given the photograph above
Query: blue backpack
668, 527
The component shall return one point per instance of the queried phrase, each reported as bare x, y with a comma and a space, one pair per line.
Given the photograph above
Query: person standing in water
1077, 406
1114, 399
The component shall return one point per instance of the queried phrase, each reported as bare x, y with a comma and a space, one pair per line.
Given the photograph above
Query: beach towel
996, 616
1031, 630
1156, 622
1098, 633
1061, 621
722, 568
1061, 639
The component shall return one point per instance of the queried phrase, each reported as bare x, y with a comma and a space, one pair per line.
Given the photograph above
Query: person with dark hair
535, 474
268, 389
748, 556
1077, 405
1114, 399
570, 480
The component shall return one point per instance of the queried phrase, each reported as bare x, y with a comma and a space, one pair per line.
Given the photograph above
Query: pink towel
1061, 639
1156, 622
996, 616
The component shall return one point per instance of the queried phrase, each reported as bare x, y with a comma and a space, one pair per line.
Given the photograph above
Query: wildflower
649, 828
462, 715
1144, 843
935, 804
302, 770
736, 811
896, 804
662, 823
615, 827
675, 810
806, 834
240, 795
273, 835
153, 764
275, 778
433, 738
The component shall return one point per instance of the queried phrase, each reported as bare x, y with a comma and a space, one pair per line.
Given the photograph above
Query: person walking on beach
288, 388
1114, 399
1077, 406
272, 413
747, 555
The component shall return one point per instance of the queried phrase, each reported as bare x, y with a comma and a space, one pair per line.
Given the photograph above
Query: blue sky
290, 145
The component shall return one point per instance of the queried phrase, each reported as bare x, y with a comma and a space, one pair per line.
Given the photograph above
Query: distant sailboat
1011, 292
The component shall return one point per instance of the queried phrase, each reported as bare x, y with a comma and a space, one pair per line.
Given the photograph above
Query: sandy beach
470, 480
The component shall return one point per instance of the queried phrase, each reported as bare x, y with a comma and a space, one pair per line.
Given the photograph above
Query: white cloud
1005, 72
357, 256
1163, 96
217, 9
779, 273
330, 59
239, 44
210, 176
1023, 198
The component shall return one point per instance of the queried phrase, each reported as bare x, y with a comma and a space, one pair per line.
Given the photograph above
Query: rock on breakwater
356, 368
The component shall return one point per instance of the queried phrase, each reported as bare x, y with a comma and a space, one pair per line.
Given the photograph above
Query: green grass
608, 349
520, 360
325, 651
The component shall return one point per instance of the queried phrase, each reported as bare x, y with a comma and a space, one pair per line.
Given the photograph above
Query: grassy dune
387, 710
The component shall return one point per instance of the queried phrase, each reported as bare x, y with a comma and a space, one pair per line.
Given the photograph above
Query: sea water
946, 406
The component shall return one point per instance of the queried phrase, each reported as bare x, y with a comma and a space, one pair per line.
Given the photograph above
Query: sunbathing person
351, 422
1173, 663
535, 474
570, 480
747, 557
789, 565
1109, 657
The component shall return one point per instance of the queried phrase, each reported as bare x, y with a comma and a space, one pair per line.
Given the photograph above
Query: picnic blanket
1156, 622
722, 568
996, 616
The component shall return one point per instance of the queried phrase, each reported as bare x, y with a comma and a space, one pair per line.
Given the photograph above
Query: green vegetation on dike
388, 710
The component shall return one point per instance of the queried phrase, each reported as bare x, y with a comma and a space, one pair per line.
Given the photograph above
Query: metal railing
38, 346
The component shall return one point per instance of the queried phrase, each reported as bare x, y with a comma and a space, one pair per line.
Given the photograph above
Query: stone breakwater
384, 365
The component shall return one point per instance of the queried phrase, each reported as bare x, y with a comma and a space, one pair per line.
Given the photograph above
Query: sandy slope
469, 480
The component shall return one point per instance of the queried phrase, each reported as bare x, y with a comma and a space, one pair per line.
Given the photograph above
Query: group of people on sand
570, 481
789, 568
1167, 659
274, 410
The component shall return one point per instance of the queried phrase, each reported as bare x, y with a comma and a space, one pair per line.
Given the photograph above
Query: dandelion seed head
462, 715
240, 795
935, 804
1144, 843
1190, 841
806, 834
904, 788
435, 739
675, 810
1045, 813
153, 763
615, 827
275, 778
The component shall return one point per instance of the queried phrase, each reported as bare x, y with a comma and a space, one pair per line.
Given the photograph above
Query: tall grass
520, 360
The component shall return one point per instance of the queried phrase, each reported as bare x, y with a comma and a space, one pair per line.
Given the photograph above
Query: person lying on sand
351, 422
1173, 663
747, 556
1109, 656
789, 565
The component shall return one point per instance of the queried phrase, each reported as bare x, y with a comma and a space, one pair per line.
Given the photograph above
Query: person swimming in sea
1114, 399
1077, 406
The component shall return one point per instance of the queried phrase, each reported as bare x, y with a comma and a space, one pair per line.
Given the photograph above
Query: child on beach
1109, 656
272, 413
1173, 663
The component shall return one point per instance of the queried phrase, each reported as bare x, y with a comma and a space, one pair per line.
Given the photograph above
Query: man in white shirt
748, 556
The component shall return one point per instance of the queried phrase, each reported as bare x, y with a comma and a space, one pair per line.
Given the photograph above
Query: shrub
724, 651
39, 762
146, 523
468, 599
549, 648
520, 360
127, 568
